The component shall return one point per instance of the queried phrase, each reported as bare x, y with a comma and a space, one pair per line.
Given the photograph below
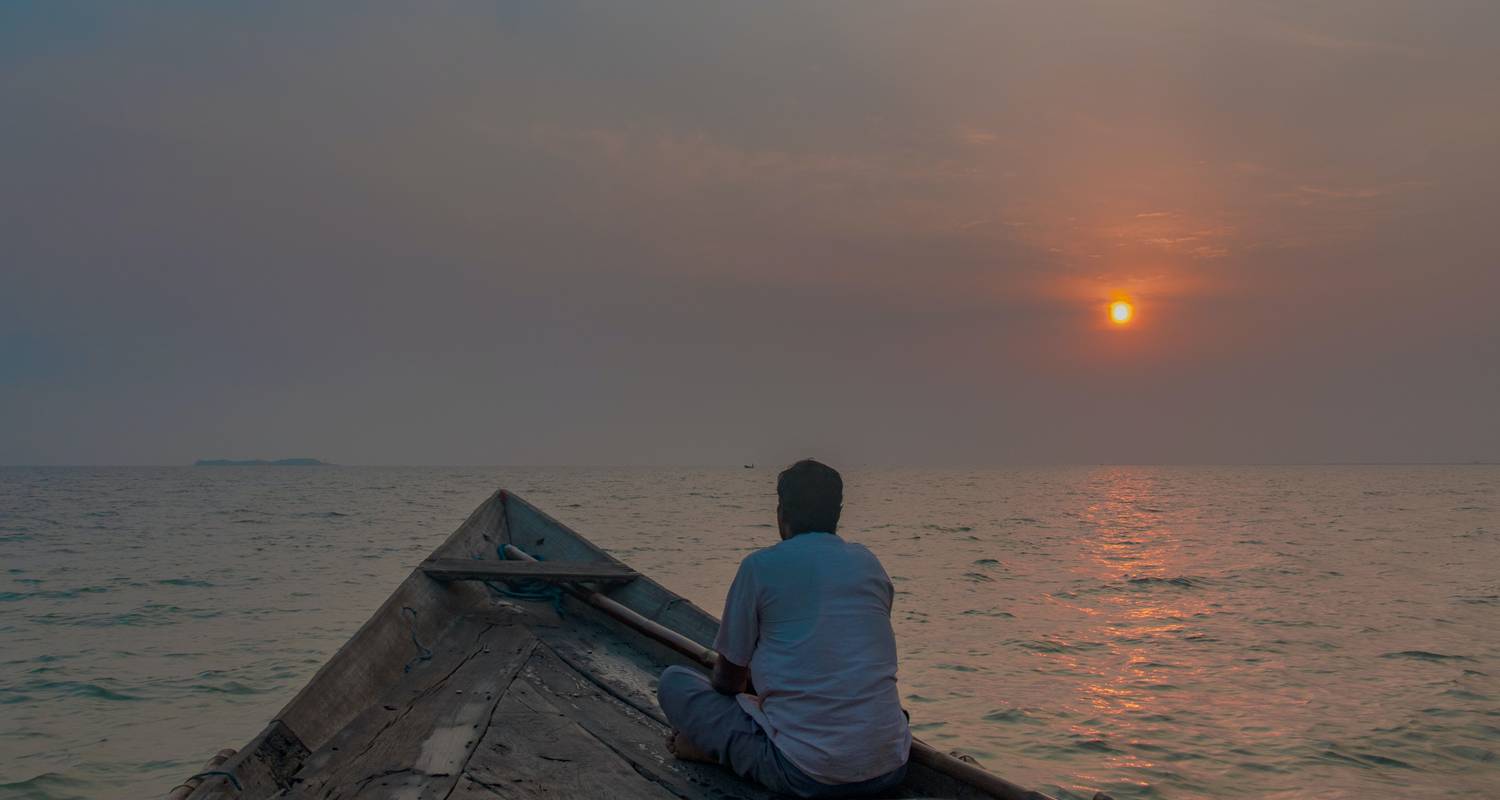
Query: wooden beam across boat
467, 569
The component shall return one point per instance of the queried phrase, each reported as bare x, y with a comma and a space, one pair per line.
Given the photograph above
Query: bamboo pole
921, 752
182, 790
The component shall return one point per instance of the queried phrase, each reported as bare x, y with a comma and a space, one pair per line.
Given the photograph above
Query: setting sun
1120, 312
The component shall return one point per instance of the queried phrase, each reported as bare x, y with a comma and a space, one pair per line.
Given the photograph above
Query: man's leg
714, 725
699, 714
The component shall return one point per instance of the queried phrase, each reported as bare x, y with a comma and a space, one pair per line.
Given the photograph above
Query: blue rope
528, 589
424, 653
233, 781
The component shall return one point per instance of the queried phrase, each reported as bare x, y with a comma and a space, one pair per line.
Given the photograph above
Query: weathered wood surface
374, 657
462, 569
261, 768
416, 741
611, 715
533, 750
364, 667
610, 665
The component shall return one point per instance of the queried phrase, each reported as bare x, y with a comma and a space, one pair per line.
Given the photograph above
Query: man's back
811, 618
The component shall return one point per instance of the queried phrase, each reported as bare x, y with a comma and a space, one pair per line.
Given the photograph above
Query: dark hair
811, 496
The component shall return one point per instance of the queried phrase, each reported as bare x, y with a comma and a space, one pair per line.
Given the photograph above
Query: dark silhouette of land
260, 462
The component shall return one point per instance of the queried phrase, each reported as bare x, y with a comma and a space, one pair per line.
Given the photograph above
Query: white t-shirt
811, 616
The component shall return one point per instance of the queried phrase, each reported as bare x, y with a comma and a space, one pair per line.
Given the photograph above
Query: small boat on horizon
518, 660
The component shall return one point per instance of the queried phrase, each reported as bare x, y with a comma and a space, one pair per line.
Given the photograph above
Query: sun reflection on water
1136, 579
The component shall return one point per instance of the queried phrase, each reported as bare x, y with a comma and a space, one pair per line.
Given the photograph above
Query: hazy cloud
550, 233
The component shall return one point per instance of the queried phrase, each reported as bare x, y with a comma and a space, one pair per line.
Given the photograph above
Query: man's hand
729, 677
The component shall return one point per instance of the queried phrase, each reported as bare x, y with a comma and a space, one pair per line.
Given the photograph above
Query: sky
685, 233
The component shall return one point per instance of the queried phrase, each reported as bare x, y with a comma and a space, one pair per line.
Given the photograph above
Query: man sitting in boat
810, 618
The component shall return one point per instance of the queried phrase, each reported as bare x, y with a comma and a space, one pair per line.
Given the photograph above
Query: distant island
260, 462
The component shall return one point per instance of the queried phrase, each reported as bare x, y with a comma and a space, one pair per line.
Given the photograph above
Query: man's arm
738, 633
729, 677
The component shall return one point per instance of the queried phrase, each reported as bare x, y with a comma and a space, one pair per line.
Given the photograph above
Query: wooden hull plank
372, 660
628, 666
532, 750
415, 741
633, 736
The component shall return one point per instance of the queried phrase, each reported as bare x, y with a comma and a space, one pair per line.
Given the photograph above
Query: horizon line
855, 465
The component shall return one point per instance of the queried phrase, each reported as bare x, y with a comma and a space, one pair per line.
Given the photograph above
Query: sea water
1152, 632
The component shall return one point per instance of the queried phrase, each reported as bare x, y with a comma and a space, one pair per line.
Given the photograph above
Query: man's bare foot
684, 749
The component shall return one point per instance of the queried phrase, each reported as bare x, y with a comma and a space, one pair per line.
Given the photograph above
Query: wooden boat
470, 682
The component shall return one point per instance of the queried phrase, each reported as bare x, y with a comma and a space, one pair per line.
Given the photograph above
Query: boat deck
515, 703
